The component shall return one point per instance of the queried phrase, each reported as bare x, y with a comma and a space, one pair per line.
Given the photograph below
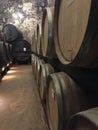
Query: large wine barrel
45, 71
86, 120
22, 51
76, 32
63, 99
48, 49
39, 33
11, 33
3, 58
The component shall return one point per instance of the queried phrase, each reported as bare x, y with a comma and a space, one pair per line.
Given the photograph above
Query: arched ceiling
24, 14
7, 7
31, 11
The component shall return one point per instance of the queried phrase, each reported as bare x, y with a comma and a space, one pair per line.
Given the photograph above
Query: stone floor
20, 106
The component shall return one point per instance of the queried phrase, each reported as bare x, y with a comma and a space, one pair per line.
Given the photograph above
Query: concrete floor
20, 107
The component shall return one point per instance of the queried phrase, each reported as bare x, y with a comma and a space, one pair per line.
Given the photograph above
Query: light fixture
24, 49
20, 15
14, 15
3, 68
8, 65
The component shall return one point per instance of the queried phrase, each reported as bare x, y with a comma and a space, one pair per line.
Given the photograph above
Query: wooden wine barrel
11, 33
76, 32
63, 99
35, 62
35, 65
48, 49
45, 71
38, 69
34, 42
22, 51
3, 58
39, 33
32, 62
86, 120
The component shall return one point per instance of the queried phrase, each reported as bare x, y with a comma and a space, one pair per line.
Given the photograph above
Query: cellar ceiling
24, 14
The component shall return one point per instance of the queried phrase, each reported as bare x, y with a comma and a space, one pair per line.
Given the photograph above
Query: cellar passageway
20, 107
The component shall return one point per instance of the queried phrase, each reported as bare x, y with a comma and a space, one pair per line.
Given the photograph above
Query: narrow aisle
20, 107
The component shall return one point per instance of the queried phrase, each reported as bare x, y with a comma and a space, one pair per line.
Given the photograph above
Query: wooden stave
61, 118
85, 57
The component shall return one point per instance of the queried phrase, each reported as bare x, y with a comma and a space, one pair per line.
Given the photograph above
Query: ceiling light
20, 15
14, 15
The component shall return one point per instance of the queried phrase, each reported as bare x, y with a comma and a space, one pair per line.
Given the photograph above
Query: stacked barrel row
69, 33
41, 71
42, 42
21, 48
62, 96
5, 57
8, 35
72, 33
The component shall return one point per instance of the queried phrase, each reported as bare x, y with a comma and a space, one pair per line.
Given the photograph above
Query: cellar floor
20, 106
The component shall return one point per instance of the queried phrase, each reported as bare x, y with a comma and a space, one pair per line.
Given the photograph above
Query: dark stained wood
3, 56
22, 51
11, 33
